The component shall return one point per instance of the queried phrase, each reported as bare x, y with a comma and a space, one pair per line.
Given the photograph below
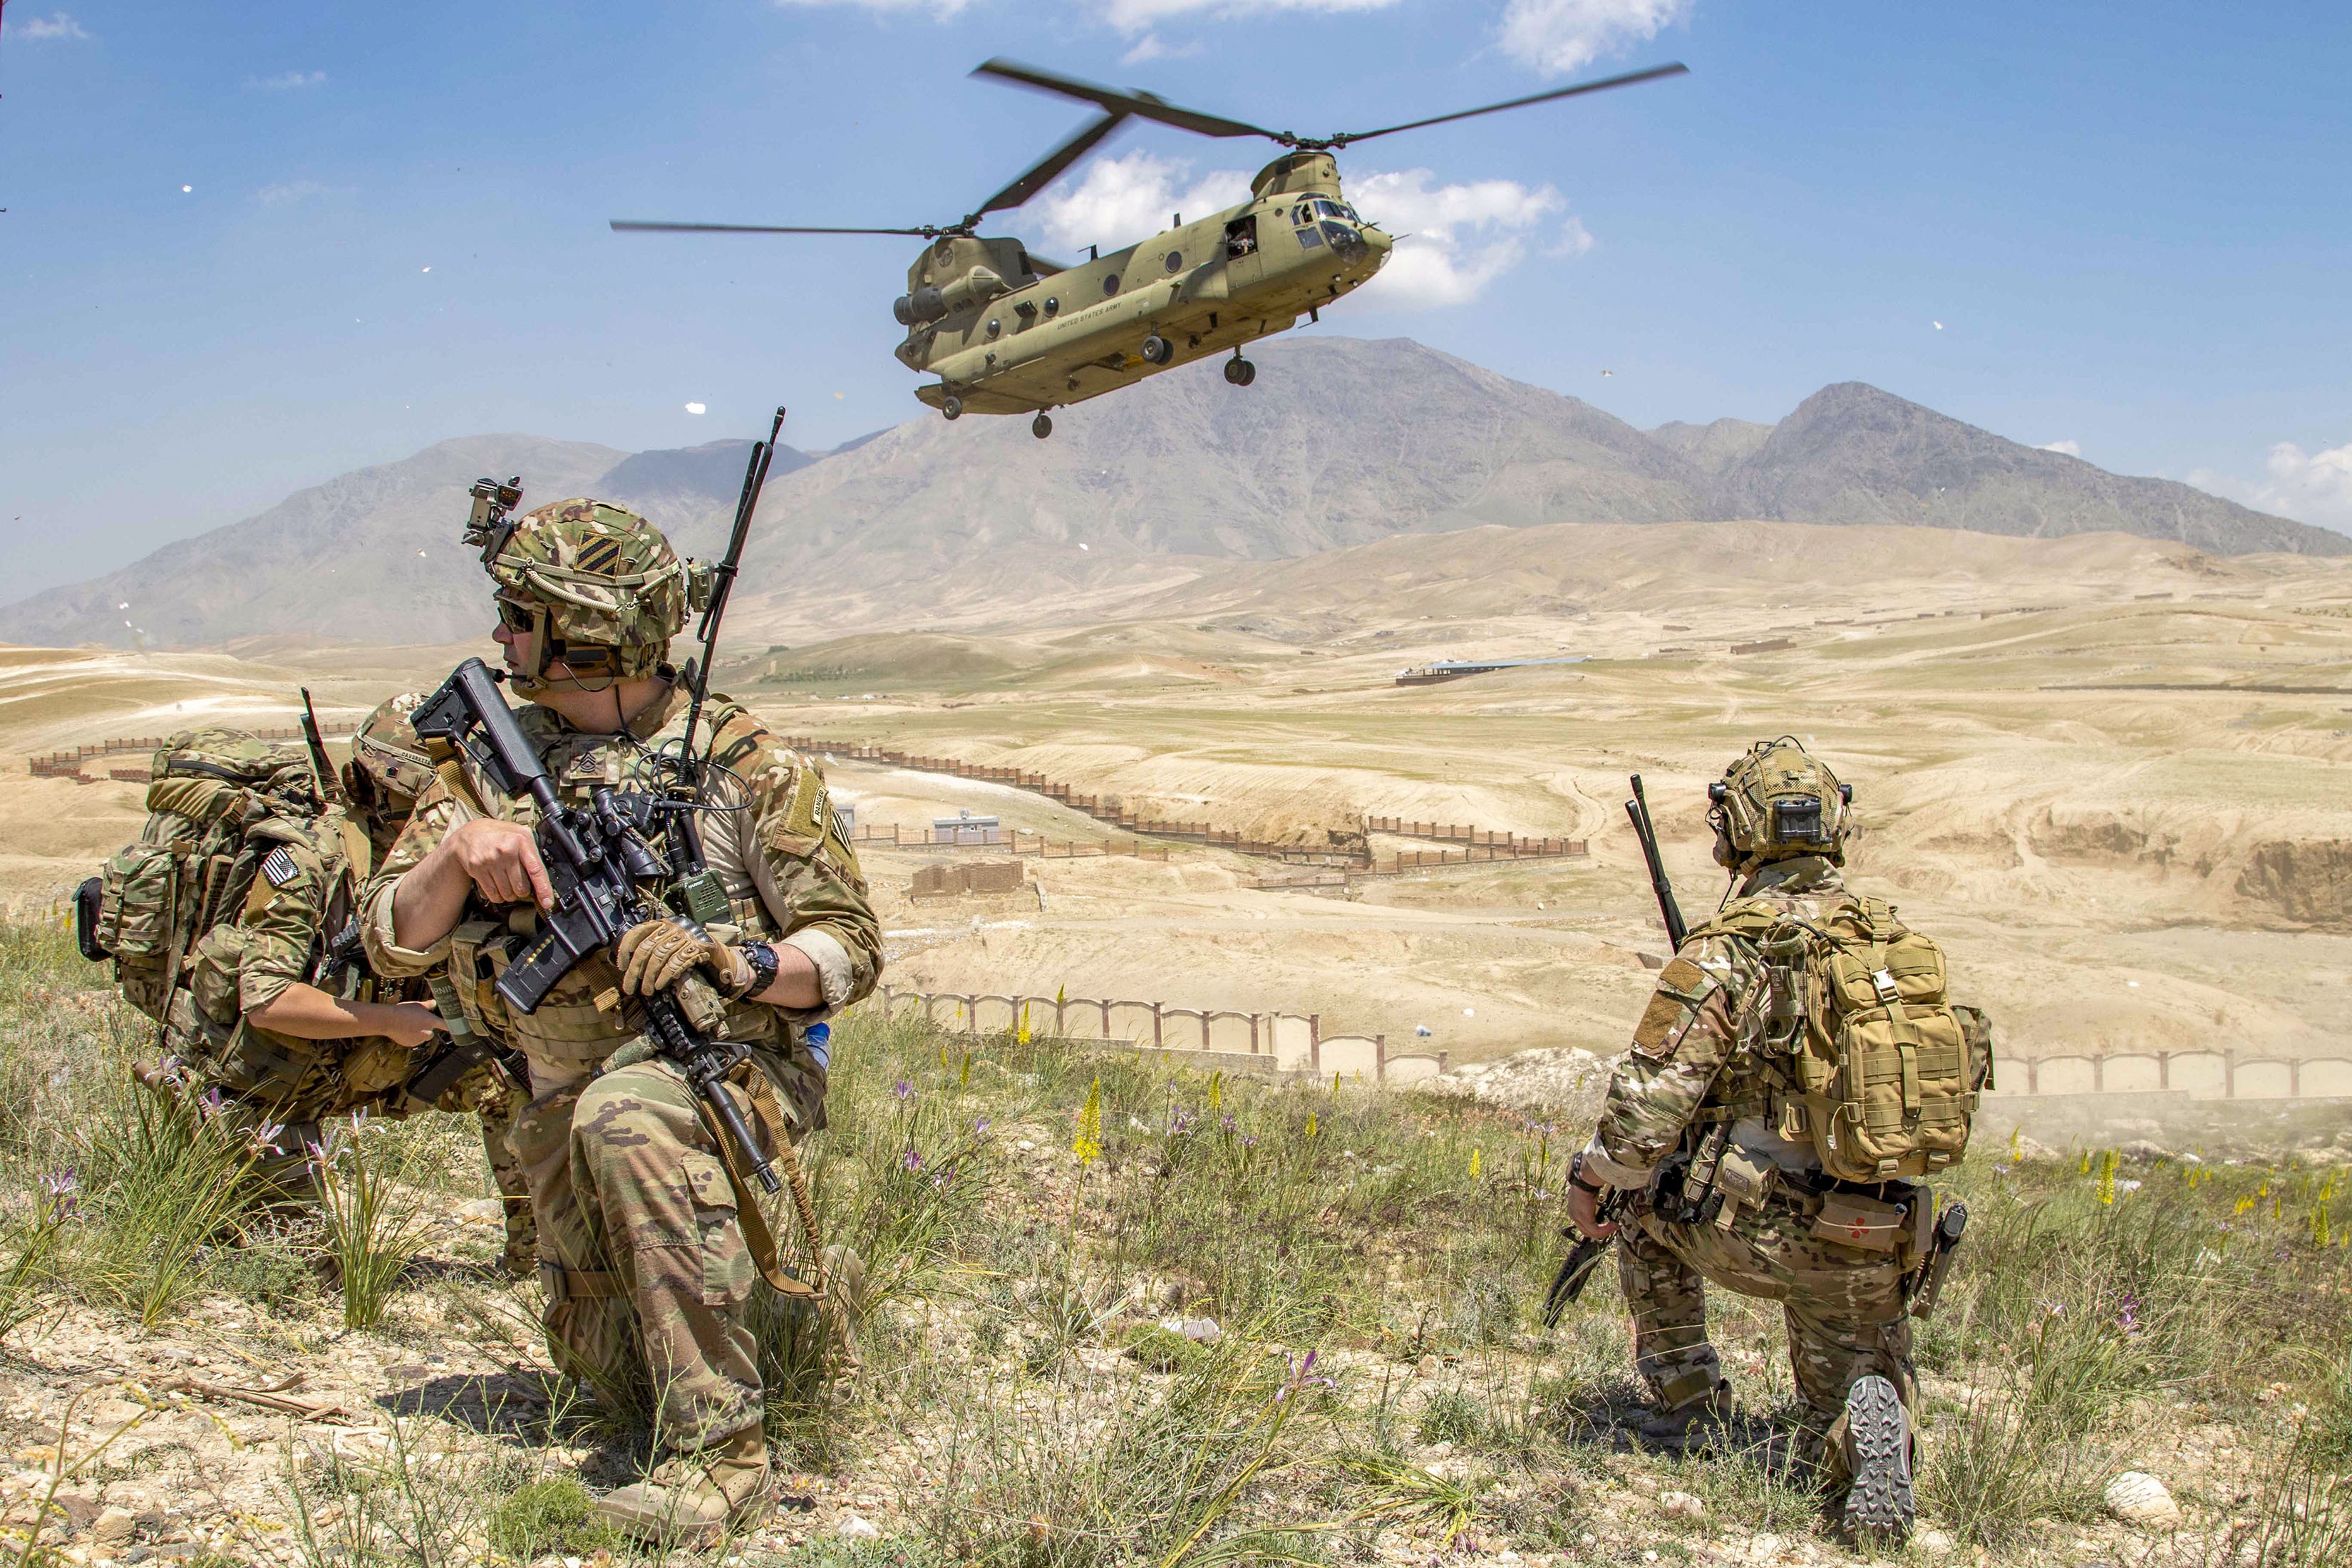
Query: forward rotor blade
633, 226
1676, 69
1049, 168
1144, 105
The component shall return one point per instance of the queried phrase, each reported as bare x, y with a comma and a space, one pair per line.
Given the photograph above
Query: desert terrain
2108, 772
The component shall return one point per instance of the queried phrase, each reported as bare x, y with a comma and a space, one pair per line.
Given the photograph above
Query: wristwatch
762, 959
1576, 1176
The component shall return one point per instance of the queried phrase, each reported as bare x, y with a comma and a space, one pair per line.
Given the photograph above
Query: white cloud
285, 81
701, 408
1559, 36
1153, 47
2070, 448
1134, 16
56, 26
2309, 486
1125, 198
1454, 240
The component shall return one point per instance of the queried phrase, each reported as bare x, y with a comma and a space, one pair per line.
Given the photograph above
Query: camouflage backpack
1874, 1066
195, 857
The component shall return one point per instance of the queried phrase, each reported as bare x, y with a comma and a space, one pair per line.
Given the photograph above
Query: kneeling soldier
1798, 1065
647, 1270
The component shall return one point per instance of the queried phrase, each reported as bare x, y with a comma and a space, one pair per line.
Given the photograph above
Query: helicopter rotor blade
634, 226
1049, 168
1676, 69
1143, 105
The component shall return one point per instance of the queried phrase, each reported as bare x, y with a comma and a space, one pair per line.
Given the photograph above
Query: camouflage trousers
648, 1279
1844, 1307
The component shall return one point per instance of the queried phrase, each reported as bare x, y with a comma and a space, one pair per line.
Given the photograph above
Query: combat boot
1692, 1425
695, 1499
1878, 1446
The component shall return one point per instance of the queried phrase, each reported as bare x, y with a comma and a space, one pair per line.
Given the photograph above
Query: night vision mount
490, 526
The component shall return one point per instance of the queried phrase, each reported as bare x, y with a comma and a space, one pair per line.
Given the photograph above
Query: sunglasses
517, 617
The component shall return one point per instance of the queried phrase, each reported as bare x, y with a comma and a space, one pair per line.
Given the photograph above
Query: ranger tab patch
279, 868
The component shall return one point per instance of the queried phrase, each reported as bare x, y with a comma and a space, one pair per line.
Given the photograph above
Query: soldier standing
1742, 1157
647, 1271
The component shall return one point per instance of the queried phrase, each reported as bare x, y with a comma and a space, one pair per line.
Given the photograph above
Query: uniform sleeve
1689, 1031
438, 812
790, 849
281, 922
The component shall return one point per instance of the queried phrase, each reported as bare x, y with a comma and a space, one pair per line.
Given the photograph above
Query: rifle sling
757, 1236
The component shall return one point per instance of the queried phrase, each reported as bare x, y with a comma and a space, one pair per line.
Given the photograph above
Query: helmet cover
608, 589
1777, 802
389, 768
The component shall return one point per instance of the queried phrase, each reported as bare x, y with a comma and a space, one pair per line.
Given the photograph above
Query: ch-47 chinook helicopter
1007, 331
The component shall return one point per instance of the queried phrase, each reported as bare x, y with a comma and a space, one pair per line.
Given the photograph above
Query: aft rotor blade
1144, 105
1676, 69
634, 226
1048, 169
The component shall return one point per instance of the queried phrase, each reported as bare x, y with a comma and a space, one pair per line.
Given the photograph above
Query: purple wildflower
2127, 1318
212, 1103
903, 1090
61, 1186
1226, 1122
979, 1126
265, 1137
911, 1160
1301, 1377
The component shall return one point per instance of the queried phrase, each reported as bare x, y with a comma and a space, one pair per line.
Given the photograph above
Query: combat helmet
592, 585
1777, 802
388, 769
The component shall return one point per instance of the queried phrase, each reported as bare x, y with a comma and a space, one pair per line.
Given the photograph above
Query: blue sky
2131, 220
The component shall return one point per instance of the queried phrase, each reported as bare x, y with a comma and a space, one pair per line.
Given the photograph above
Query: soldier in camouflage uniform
271, 1031
1695, 1068
647, 1271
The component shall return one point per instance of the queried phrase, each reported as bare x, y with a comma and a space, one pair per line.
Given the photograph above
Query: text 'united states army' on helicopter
1008, 332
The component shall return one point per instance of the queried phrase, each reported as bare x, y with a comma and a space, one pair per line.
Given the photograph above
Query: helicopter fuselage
1006, 334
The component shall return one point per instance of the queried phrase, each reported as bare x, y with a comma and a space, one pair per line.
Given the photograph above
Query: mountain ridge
1344, 442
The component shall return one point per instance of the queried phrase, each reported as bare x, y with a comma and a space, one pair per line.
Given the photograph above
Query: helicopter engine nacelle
919, 308
976, 287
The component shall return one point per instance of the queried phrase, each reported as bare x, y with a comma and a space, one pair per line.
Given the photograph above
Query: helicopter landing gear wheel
951, 407
1157, 350
1240, 372
1041, 427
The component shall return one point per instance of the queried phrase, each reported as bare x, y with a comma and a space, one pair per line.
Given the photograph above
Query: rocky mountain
374, 556
1851, 453
1340, 443
1712, 448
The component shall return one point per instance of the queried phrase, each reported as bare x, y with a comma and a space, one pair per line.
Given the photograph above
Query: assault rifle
1584, 1256
598, 859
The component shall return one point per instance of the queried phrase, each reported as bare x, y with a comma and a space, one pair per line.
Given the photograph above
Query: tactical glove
654, 954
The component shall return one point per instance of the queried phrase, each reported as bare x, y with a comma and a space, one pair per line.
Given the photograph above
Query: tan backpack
194, 858
1874, 1066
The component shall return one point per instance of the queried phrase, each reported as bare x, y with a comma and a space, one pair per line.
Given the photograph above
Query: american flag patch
279, 868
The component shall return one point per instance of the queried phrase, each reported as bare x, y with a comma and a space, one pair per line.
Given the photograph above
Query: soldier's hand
654, 954
410, 1023
1584, 1212
501, 862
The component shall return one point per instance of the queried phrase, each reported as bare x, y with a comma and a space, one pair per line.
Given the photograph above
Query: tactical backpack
194, 860
1872, 1064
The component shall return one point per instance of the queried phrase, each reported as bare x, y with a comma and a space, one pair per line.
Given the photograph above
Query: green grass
1373, 1264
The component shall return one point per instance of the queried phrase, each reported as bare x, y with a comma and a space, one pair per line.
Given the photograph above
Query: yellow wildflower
1087, 1144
